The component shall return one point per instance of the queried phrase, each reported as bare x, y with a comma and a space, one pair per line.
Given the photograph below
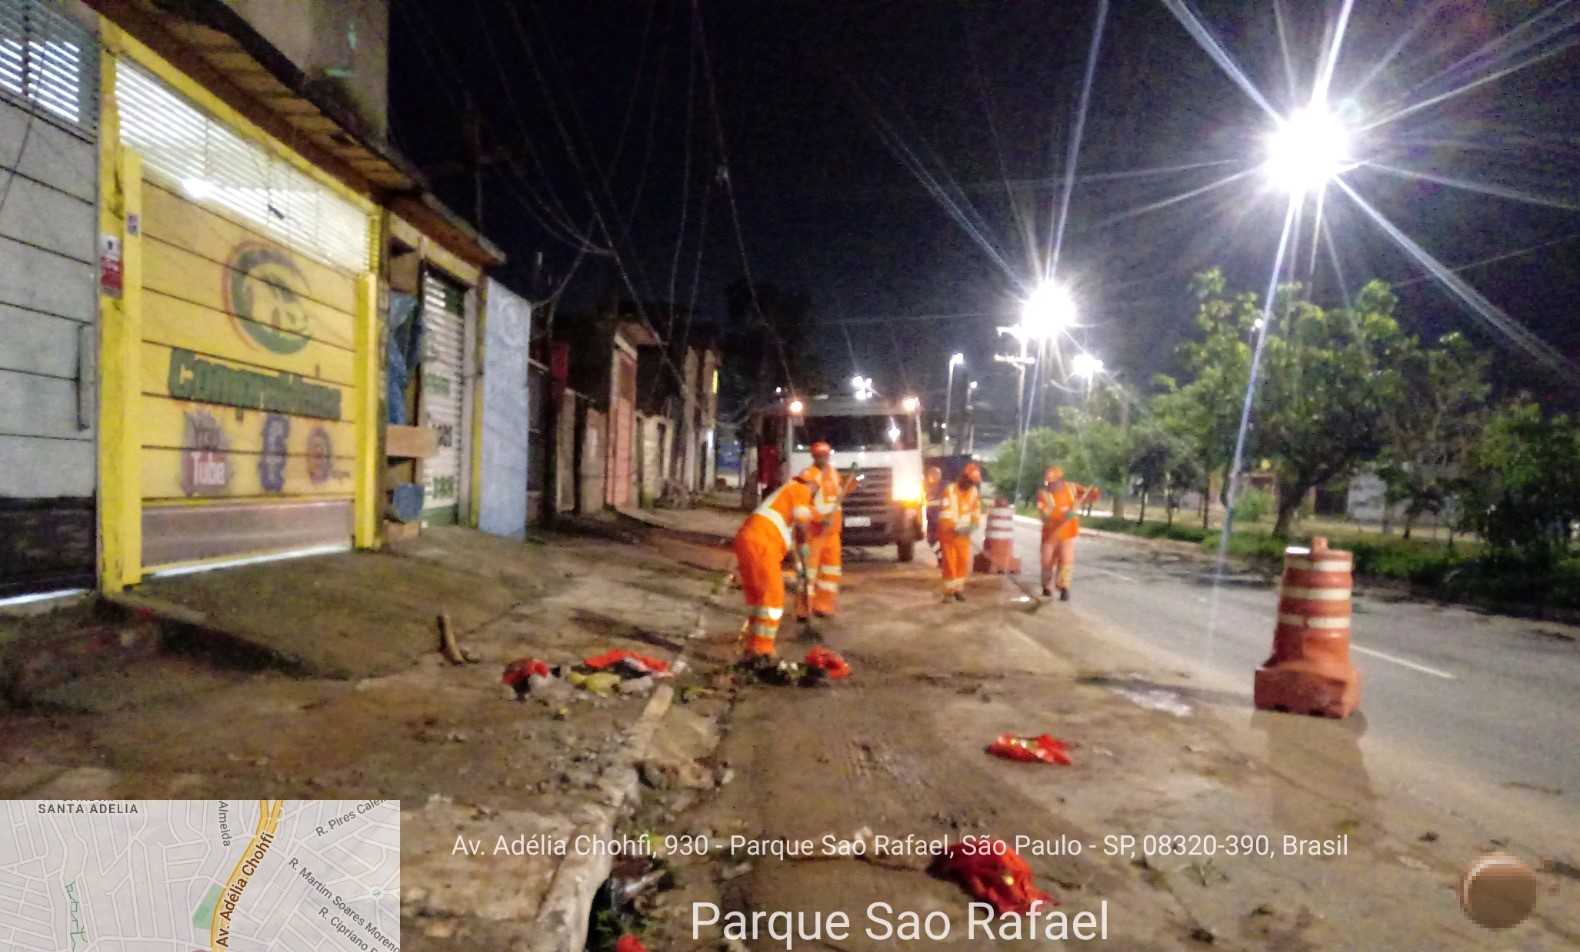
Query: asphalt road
1476, 696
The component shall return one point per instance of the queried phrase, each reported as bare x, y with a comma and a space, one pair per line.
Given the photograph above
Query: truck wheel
907, 549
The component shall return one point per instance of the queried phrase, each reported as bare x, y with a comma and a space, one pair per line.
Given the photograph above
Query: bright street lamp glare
957, 359
1085, 365
1307, 150
1049, 310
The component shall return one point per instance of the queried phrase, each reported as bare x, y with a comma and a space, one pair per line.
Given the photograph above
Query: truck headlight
909, 493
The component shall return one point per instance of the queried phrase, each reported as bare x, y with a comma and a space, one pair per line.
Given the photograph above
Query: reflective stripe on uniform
772, 515
831, 570
828, 586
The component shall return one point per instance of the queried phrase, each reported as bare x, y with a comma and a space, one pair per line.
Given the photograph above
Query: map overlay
217, 875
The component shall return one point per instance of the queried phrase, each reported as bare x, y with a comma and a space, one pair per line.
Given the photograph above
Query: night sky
844, 122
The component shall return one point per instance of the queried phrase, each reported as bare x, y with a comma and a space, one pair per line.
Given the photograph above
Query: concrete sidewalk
326, 683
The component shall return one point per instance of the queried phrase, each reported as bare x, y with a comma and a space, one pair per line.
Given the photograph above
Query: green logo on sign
265, 291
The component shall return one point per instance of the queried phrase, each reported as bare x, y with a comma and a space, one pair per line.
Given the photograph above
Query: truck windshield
849, 434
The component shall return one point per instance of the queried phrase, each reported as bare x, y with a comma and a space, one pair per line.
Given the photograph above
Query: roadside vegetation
1342, 392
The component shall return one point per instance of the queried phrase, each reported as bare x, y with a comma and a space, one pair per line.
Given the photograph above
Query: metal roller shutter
444, 348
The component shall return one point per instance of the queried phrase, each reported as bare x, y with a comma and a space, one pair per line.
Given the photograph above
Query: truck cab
882, 440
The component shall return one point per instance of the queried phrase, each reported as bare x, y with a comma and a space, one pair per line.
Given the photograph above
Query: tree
1524, 492
1205, 413
1330, 383
1430, 440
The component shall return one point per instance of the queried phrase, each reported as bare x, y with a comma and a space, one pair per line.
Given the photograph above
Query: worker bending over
958, 520
824, 566
760, 548
1058, 502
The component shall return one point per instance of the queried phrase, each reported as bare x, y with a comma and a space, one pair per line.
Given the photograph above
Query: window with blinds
50, 61
213, 165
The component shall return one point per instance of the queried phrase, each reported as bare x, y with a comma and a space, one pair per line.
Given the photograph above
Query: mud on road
894, 756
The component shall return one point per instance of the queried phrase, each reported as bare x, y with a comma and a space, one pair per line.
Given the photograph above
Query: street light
949, 392
862, 386
1048, 310
1085, 365
1307, 150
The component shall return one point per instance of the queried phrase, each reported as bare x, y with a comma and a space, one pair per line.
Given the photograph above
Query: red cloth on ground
629, 943
519, 670
992, 872
620, 654
1047, 749
829, 660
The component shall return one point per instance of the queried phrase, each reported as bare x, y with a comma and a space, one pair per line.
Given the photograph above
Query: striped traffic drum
998, 548
1309, 671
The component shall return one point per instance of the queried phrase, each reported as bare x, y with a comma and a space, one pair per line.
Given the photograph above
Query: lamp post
949, 394
971, 426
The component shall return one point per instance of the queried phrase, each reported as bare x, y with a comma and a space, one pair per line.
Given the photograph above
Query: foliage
1430, 439
1252, 505
1330, 380
1204, 413
1091, 449
1524, 492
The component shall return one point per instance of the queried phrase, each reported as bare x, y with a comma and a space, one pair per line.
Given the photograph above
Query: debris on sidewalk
448, 647
994, 873
520, 675
628, 664
1044, 748
601, 683
829, 662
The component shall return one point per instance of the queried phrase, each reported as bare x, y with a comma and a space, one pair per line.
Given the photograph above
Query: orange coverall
960, 516
1059, 529
825, 567
760, 548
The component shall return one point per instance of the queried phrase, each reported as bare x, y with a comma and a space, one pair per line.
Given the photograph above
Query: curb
566, 912
693, 536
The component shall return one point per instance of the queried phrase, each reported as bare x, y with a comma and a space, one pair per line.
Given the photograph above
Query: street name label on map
87, 807
208, 875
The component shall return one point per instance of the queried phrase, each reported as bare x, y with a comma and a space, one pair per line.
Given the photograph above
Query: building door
441, 398
48, 299
507, 408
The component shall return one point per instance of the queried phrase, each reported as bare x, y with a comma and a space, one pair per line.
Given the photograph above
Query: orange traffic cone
1309, 671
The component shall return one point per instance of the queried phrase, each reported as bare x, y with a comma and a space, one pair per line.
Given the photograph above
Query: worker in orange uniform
825, 566
1058, 502
958, 519
779, 524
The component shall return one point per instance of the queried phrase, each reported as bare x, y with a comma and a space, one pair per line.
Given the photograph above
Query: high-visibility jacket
826, 496
1058, 507
784, 507
962, 509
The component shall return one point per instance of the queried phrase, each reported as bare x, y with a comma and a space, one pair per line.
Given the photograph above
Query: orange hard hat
1054, 474
972, 472
821, 448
